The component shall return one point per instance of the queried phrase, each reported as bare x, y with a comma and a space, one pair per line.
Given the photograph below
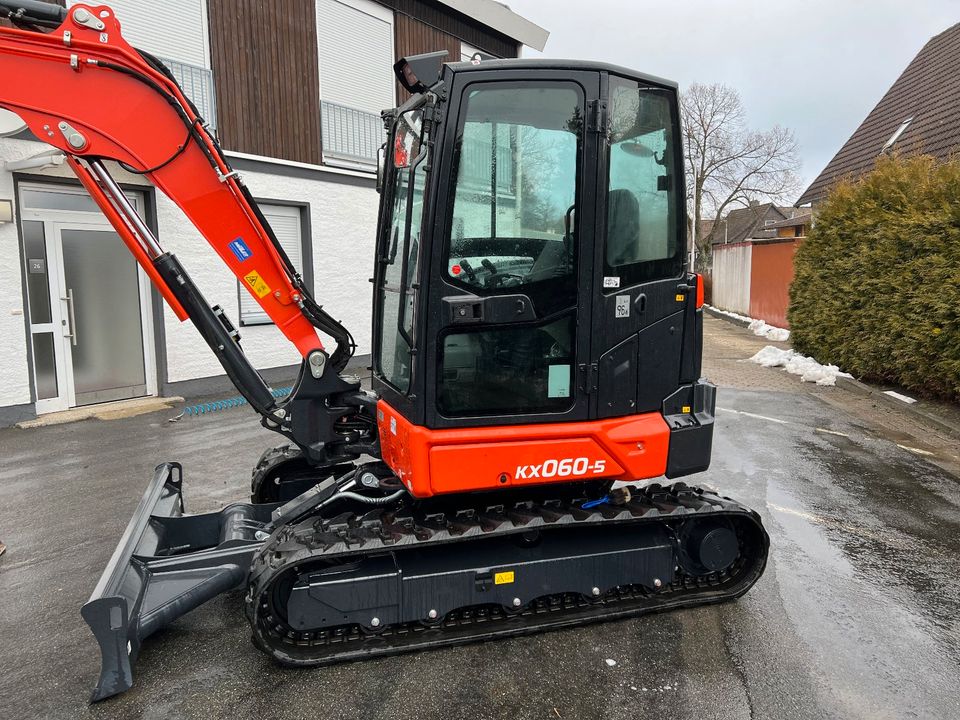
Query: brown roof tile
745, 223
928, 91
803, 219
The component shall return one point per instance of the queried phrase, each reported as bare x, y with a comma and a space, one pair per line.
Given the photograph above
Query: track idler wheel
708, 546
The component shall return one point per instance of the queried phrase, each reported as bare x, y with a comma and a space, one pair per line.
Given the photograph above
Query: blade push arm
83, 89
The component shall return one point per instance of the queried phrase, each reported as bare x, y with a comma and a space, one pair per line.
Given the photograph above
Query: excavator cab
530, 271
536, 352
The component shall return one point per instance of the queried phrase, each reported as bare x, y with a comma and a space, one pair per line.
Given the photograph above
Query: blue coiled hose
227, 403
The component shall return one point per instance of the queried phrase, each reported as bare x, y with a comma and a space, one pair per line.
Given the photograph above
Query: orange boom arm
84, 90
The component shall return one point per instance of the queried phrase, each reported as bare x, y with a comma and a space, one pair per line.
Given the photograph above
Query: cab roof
554, 64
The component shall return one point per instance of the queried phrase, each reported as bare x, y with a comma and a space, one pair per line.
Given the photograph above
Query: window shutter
174, 29
355, 50
467, 52
285, 221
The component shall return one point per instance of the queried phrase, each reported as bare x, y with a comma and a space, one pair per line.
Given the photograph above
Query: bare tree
729, 164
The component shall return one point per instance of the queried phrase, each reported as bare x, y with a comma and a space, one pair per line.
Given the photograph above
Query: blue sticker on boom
240, 249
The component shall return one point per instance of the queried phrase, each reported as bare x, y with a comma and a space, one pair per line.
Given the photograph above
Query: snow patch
902, 398
757, 327
794, 363
735, 316
770, 332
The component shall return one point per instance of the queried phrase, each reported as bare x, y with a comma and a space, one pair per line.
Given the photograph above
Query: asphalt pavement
855, 616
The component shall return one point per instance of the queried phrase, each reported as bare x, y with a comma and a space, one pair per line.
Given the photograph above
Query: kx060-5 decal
568, 467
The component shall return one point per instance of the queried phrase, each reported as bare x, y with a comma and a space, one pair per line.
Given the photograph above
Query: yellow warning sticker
503, 578
256, 283
681, 298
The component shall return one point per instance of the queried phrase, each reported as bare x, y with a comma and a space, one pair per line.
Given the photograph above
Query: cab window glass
508, 370
642, 238
513, 205
398, 248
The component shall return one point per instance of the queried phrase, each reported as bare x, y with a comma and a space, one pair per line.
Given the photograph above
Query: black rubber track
350, 536
283, 472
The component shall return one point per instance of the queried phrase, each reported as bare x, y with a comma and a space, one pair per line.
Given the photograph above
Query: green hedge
877, 283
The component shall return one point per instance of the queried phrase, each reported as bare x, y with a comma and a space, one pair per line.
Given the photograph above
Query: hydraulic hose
369, 500
34, 10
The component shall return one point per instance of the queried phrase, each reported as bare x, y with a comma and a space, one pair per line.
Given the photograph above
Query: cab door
512, 258
396, 374
640, 293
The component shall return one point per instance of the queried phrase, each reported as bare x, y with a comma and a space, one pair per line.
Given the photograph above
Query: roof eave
503, 20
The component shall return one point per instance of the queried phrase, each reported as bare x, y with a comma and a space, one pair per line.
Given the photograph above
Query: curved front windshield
513, 224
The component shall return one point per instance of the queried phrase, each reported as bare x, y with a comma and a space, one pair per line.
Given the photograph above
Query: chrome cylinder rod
126, 208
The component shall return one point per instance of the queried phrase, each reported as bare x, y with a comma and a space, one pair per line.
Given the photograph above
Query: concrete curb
717, 314
855, 386
938, 422
103, 411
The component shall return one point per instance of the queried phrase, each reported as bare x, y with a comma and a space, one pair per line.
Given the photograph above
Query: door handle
73, 320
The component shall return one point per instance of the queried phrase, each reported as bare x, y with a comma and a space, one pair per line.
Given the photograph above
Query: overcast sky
817, 66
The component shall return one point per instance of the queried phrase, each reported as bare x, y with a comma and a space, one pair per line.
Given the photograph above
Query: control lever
468, 269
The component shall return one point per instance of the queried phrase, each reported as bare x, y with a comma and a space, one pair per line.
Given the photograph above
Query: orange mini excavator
537, 344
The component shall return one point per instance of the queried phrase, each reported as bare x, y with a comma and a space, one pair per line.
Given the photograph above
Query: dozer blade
165, 565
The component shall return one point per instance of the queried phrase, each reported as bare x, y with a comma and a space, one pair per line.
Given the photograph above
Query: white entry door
90, 318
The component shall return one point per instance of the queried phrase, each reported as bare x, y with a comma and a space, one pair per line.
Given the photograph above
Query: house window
287, 222
355, 50
467, 52
176, 29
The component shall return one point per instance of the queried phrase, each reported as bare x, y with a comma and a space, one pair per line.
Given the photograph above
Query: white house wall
731, 277
14, 371
343, 219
